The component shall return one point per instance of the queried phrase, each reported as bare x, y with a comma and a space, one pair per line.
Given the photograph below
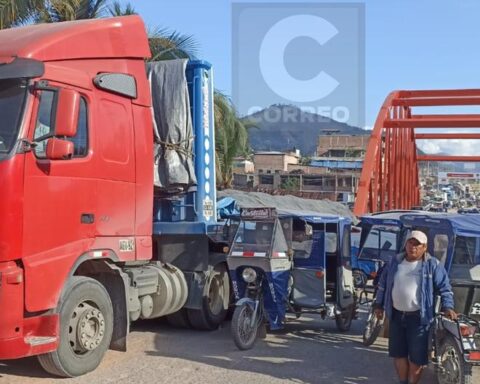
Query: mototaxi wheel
372, 329
243, 331
451, 367
344, 319
359, 278
86, 326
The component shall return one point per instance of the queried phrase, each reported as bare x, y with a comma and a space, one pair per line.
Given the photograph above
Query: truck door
59, 201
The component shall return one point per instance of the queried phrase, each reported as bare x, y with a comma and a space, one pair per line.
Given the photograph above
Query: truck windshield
12, 96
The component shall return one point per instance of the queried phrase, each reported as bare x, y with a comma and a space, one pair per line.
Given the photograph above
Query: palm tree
231, 139
168, 45
16, 12
67, 10
116, 9
164, 44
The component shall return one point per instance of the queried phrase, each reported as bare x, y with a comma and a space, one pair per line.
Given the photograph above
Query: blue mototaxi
453, 239
293, 260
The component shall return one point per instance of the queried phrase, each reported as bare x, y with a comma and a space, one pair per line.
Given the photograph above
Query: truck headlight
249, 275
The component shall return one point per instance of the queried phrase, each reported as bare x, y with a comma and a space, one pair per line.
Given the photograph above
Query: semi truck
107, 192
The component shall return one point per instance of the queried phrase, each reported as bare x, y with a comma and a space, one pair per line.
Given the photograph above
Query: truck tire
86, 325
179, 319
215, 294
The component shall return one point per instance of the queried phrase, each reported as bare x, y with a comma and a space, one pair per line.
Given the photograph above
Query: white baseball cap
419, 236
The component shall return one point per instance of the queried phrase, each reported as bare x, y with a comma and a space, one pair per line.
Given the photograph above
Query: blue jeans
408, 338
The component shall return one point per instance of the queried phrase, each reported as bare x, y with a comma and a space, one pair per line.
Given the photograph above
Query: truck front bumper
40, 335
22, 336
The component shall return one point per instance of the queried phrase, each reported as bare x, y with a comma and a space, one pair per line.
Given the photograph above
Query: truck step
40, 340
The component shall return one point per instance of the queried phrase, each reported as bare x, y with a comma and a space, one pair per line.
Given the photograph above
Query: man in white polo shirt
406, 292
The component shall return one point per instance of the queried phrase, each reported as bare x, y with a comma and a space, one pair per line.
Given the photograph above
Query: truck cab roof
119, 37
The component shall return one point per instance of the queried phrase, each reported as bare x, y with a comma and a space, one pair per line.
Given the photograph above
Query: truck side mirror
59, 149
68, 106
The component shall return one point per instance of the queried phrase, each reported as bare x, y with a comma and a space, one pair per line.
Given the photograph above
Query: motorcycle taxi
289, 261
454, 240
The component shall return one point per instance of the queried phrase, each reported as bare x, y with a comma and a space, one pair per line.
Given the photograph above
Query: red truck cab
70, 194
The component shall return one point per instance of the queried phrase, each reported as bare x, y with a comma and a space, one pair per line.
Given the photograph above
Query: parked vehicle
455, 241
373, 325
289, 261
362, 270
468, 211
79, 151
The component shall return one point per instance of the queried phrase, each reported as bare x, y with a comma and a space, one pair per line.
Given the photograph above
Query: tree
116, 9
168, 45
16, 12
66, 10
231, 139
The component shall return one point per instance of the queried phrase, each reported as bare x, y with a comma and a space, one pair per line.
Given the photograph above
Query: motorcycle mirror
308, 230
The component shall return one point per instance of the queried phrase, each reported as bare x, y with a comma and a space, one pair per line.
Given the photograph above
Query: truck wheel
216, 296
452, 368
179, 319
86, 324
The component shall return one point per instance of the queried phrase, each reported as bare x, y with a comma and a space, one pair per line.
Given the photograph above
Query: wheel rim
216, 294
358, 280
246, 330
450, 366
86, 328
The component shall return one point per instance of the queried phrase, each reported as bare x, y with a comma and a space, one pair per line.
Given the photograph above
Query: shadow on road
309, 350
27, 367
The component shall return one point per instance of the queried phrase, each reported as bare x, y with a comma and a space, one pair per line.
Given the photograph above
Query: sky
408, 44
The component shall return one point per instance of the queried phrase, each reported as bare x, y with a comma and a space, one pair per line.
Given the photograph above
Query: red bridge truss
389, 178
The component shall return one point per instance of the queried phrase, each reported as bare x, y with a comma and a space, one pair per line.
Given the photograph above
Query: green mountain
287, 127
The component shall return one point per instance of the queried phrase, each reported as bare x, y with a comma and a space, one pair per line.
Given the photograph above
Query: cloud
451, 146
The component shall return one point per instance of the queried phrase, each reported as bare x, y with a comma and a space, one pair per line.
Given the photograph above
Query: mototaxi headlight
249, 275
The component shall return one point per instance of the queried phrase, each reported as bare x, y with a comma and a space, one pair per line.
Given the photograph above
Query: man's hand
379, 313
451, 314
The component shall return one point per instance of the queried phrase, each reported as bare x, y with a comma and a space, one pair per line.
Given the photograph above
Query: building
333, 175
272, 161
342, 145
242, 165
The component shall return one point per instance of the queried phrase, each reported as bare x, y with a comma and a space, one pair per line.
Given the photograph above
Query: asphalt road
310, 350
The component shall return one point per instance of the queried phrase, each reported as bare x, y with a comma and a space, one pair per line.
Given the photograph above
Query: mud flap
346, 291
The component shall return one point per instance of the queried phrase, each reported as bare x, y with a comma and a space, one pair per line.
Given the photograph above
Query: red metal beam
423, 136
364, 199
436, 101
439, 93
448, 121
464, 116
390, 173
448, 158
